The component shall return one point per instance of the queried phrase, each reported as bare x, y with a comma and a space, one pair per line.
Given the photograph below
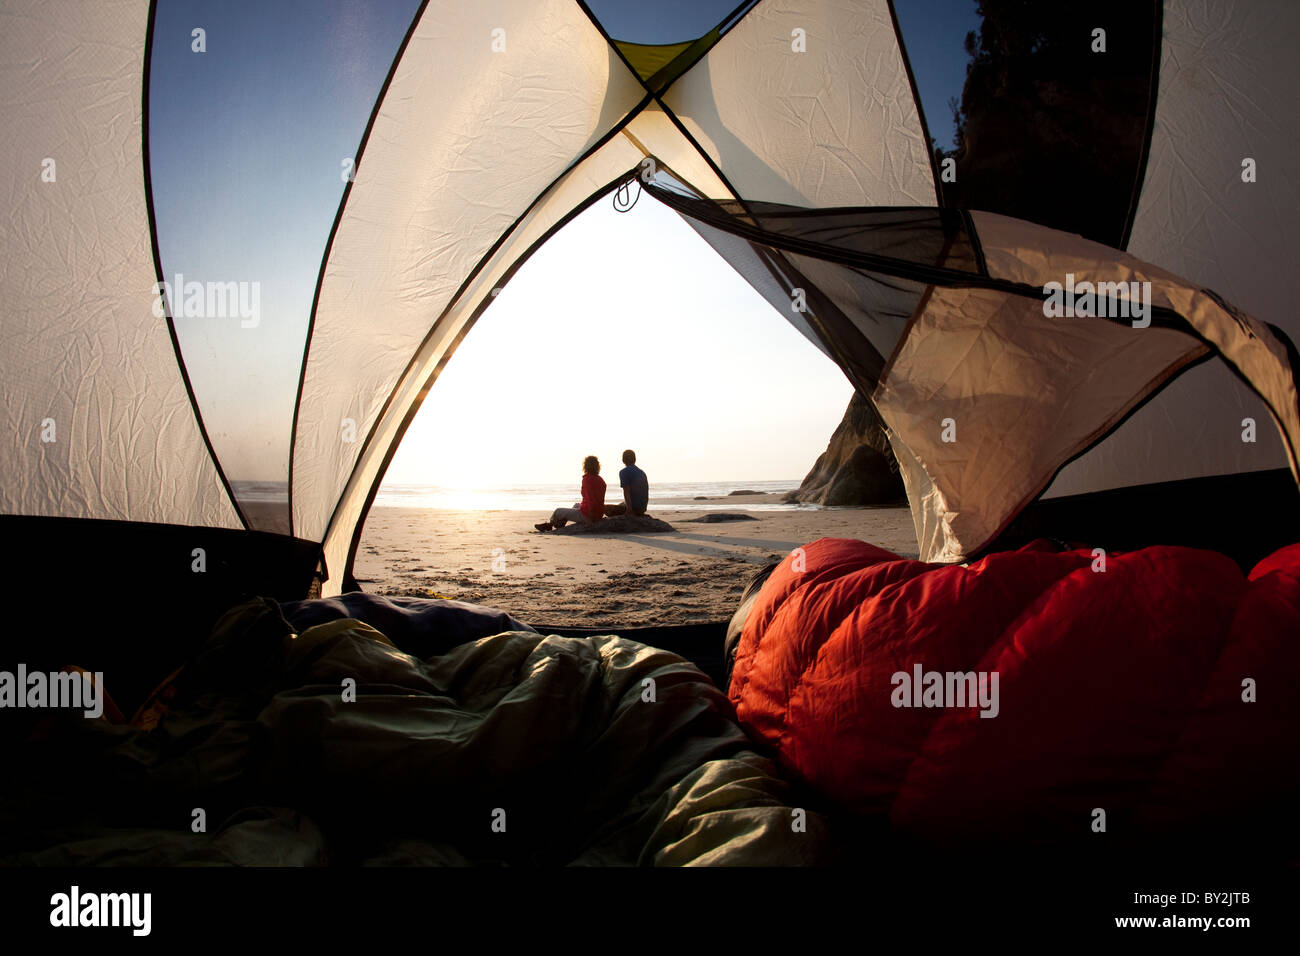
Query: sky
668, 352
696, 371
246, 144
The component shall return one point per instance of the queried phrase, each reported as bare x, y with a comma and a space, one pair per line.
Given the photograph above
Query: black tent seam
1293, 360
732, 19
1292, 356
916, 99
817, 212
410, 413
329, 243
974, 236
147, 70
1139, 180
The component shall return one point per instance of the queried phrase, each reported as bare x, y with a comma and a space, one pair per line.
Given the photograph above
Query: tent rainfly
1010, 362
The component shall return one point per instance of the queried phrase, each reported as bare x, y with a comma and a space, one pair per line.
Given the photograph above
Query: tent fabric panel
1034, 255
465, 141
1199, 417
1018, 393
613, 160
652, 132
88, 350
782, 132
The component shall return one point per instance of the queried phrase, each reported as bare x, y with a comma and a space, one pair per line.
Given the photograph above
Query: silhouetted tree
1047, 129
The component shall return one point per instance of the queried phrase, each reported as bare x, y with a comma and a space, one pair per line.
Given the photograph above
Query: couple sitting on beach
636, 495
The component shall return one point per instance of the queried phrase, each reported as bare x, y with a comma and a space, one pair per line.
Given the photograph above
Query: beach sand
695, 574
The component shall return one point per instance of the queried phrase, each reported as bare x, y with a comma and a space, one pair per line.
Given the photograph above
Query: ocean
667, 495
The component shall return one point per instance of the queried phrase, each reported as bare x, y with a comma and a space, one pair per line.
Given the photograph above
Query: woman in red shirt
592, 507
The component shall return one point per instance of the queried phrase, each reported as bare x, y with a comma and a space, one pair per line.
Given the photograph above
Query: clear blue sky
246, 145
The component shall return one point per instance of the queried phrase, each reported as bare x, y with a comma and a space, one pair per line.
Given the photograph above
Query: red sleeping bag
1163, 690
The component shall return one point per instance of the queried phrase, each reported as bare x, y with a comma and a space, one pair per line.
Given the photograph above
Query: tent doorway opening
625, 331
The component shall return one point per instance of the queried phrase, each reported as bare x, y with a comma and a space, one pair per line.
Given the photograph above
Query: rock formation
858, 465
619, 524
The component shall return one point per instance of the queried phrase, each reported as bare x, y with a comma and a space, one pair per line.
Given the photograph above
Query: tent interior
166, 461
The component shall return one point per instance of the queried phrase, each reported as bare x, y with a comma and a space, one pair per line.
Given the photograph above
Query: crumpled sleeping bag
420, 626
514, 748
1163, 690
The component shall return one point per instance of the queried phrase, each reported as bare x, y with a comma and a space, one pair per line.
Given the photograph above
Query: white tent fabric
833, 125
1024, 392
97, 420
502, 119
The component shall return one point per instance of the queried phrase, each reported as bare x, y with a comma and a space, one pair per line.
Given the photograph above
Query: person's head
629, 457
591, 465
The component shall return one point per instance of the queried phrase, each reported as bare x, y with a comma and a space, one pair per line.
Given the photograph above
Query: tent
791, 136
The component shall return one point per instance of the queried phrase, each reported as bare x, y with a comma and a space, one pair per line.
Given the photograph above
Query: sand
693, 574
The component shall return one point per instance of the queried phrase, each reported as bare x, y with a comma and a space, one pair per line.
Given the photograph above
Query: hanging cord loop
624, 200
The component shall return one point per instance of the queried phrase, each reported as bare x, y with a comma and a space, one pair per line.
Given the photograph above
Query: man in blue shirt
636, 487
